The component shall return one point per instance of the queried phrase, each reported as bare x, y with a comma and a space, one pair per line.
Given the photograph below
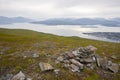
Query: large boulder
45, 66
20, 76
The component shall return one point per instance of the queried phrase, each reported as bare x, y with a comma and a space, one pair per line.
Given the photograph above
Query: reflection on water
65, 30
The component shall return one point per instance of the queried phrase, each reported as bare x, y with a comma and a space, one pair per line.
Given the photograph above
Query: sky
43, 9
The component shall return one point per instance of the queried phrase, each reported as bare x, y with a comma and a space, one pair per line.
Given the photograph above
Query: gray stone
91, 48
77, 63
113, 67
86, 51
60, 59
86, 60
20, 76
45, 66
77, 58
69, 55
75, 53
91, 66
81, 50
66, 65
66, 61
109, 63
94, 59
74, 68
83, 55
101, 63
97, 58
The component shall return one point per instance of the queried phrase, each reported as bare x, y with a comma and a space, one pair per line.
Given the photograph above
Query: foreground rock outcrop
85, 57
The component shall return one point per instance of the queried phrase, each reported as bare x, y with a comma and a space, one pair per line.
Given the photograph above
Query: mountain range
113, 22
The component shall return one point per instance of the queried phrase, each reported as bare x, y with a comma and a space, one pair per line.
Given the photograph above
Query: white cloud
60, 8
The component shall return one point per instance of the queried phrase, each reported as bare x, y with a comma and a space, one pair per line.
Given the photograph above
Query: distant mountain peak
11, 20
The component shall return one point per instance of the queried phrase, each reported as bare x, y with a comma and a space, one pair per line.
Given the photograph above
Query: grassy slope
16, 40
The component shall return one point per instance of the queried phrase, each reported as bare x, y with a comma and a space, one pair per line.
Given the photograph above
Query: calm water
65, 30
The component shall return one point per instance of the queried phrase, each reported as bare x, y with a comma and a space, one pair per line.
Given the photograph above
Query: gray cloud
60, 8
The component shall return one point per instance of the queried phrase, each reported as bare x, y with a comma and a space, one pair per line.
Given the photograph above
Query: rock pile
85, 57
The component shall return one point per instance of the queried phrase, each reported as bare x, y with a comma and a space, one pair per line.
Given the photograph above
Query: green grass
91, 75
14, 43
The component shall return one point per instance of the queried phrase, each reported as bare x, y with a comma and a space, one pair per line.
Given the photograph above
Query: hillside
17, 47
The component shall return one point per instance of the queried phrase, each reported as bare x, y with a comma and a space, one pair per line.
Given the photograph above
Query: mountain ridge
114, 22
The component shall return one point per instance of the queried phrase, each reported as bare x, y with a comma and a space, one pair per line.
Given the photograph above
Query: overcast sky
42, 9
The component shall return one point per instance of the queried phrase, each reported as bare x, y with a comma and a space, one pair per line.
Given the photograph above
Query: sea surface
110, 34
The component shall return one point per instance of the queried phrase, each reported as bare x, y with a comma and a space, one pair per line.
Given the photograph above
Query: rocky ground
76, 61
